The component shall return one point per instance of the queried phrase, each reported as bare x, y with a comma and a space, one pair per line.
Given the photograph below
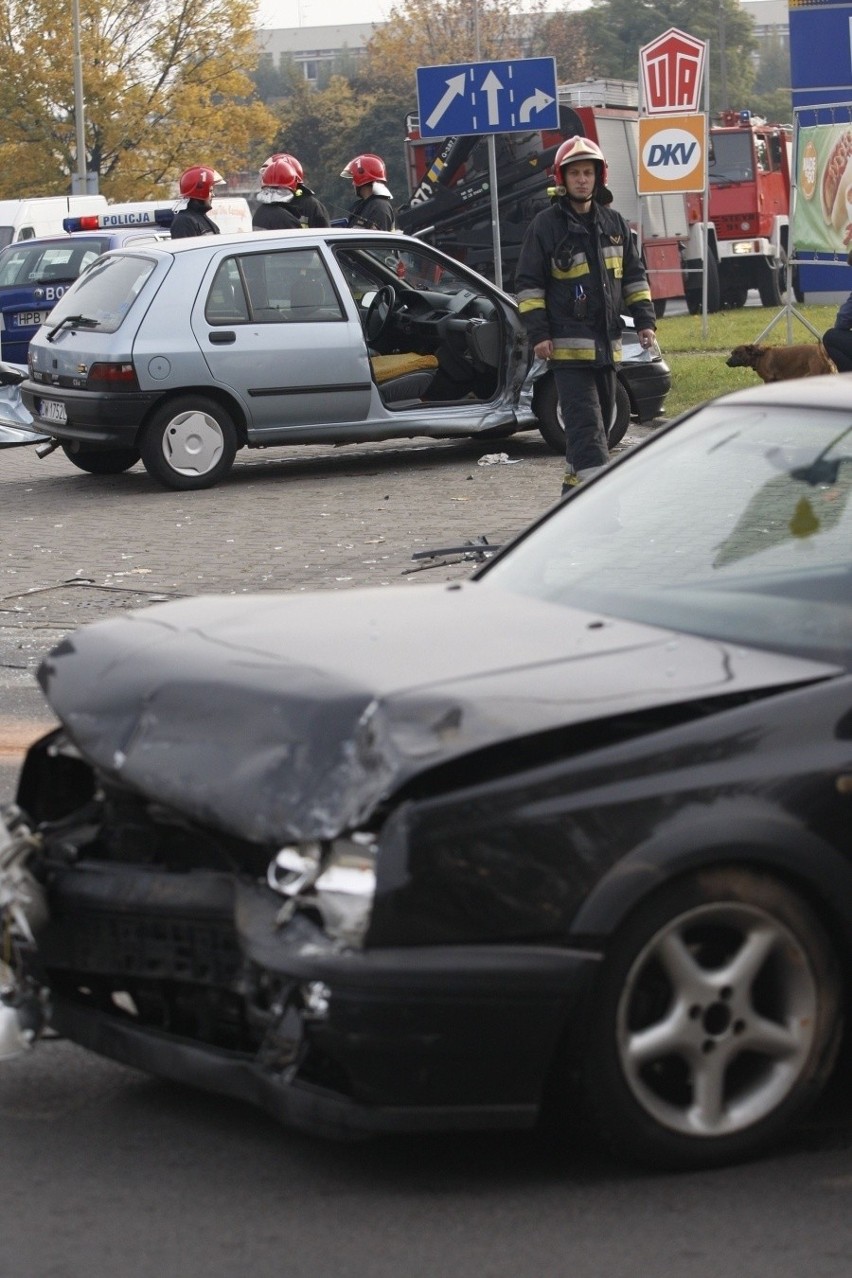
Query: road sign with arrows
487, 97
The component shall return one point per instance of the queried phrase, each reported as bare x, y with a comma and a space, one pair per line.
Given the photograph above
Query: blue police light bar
115, 221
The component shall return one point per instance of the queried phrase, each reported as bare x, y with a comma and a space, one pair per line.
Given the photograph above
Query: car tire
715, 1022
546, 409
734, 297
771, 283
618, 429
101, 461
189, 443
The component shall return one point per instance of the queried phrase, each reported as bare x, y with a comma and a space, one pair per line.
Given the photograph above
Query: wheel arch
764, 841
215, 393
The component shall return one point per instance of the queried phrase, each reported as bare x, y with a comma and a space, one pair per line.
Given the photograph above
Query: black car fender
737, 831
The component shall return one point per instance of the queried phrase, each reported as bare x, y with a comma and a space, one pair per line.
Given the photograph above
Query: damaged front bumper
23, 1001
193, 976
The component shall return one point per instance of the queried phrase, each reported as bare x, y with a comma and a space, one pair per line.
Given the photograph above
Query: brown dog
778, 363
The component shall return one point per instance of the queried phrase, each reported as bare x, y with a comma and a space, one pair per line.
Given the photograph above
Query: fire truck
749, 165
749, 195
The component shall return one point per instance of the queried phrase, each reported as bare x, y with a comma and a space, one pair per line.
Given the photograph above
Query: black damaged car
574, 835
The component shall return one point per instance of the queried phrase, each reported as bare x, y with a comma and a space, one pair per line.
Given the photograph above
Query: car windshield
367, 267
735, 524
105, 291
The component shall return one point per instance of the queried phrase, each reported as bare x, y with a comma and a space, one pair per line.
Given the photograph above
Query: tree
166, 85
618, 28
315, 125
565, 37
773, 98
433, 32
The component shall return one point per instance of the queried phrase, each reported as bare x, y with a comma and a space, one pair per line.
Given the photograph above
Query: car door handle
223, 337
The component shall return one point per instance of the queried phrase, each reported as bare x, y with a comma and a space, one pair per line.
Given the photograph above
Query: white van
231, 214
27, 219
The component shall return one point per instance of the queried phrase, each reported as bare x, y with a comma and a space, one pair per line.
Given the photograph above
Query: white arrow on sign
455, 87
536, 102
491, 87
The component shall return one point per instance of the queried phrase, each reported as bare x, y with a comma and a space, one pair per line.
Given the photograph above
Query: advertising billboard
821, 77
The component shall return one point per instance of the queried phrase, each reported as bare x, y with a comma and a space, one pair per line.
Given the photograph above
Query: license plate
52, 410
29, 319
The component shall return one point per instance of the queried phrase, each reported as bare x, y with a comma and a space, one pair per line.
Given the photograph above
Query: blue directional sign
487, 97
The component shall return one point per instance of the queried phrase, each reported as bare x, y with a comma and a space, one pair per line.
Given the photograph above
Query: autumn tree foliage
422, 33
166, 84
564, 36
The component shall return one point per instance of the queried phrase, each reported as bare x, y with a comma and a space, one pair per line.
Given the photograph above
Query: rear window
105, 292
28, 263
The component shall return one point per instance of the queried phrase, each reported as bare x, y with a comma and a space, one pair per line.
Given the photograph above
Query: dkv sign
671, 154
672, 143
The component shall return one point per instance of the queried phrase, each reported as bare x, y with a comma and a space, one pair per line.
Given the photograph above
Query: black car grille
158, 949
147, 947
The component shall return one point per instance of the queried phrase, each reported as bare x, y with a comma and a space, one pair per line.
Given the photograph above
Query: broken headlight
337, 881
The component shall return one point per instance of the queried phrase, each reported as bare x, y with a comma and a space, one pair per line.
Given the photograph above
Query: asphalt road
110, 1172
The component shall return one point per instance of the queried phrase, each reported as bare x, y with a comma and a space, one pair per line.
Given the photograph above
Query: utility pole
79, 183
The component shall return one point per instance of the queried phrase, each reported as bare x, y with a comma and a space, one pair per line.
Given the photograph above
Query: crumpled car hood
279, 717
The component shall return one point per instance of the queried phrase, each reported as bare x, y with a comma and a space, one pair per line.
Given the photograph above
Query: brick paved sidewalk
76, 547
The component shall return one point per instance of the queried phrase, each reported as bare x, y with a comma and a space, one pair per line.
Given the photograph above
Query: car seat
403, 376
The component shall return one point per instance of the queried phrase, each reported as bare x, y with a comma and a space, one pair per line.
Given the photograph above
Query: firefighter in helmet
373, 208
196, 187
578, 271
284, 202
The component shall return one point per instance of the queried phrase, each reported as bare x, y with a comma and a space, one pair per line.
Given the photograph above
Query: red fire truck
748, 165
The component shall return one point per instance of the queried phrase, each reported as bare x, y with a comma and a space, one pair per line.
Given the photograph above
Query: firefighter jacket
575, 277
193, 220
375, 214
301, 209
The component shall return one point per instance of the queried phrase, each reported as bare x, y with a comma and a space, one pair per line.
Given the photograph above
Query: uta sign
672, 68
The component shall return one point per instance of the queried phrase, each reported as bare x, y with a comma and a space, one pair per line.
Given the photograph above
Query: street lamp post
80, 182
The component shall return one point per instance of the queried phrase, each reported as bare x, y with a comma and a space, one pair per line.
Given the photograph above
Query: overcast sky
320, 13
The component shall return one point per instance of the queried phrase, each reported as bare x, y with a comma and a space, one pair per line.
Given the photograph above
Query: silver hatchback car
183, 352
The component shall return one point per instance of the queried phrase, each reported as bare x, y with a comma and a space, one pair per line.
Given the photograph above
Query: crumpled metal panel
16, 424
282, 717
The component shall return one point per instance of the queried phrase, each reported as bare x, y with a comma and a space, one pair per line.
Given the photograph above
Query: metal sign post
671, 72
488, 98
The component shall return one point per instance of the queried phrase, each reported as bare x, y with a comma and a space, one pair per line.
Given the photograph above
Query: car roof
117, 237
308, 236
828, 392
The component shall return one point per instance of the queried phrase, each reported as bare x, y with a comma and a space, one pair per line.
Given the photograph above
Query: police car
35, 273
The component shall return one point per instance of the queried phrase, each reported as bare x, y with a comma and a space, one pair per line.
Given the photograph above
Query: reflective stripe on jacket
574, 280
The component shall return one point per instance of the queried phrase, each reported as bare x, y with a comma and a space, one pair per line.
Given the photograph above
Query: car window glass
730, 157
282, 286
736, 524
37, 263
368, 267
105, 291
226, 301
762, 152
